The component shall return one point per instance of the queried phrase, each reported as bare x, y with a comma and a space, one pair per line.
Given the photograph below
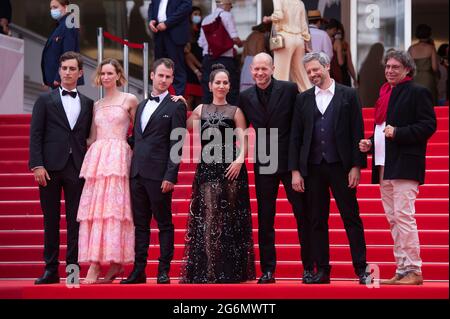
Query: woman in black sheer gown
219, 243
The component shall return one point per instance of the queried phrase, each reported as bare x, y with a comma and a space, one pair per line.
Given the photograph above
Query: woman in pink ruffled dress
106, 220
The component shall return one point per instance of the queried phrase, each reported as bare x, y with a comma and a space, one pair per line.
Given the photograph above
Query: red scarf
382, 103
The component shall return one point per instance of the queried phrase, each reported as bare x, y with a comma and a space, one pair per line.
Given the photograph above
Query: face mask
55, 13
196, 19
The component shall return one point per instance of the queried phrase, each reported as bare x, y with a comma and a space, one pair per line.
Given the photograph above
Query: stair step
283, 236
284, 252
20, 153
185, 178
368, 113
282, 221
12, 141
21, 166
185, 191
366, 205
285, 270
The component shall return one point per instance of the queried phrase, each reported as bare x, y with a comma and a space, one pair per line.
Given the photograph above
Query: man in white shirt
320, 41
154, 170
60, 126
324, 154
227, 58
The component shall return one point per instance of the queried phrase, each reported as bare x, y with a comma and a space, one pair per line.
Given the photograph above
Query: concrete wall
11, 75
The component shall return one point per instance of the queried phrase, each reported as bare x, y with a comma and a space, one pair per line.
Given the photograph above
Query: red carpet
280, 290
21, 235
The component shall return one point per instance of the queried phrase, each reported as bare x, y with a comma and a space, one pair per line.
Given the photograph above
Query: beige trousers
288, 61
398, 197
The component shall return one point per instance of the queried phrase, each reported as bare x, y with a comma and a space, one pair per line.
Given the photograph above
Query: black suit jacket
152, 148
178, 15
278, 115
411, 112
51, 138
348, 129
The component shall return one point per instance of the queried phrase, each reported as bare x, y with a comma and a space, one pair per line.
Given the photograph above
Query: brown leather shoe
392, 281
411, 279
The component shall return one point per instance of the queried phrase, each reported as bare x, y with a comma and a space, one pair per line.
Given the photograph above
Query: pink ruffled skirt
106, 222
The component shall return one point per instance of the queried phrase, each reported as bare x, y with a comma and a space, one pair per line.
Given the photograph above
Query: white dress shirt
150, 108
229, 24
320, 41
324, 97
380, 144
162, 16
71, 105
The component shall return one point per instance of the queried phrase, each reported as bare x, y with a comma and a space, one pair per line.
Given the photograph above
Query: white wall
11, 75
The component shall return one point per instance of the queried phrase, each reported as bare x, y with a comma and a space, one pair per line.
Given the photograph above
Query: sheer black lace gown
219, 243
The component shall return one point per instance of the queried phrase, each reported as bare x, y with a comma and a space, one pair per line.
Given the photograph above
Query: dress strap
126, 96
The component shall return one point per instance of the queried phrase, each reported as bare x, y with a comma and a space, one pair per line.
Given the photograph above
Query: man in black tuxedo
154, 170
169, 21
324, 153
60, 125
269, 107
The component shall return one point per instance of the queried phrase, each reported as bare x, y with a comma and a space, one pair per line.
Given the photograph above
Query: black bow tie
154, 98
71, 93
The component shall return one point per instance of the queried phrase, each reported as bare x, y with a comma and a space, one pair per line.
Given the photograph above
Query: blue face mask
196, 19
55, 13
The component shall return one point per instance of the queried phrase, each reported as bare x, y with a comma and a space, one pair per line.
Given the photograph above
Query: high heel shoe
109, 278
92, 279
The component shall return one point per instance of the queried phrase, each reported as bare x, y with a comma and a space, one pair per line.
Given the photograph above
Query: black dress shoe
267, 278
308, 276
49, 277
163, 278
136, 277
365, 278
321, 277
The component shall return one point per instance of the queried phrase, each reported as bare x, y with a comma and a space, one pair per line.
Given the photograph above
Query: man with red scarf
404, 121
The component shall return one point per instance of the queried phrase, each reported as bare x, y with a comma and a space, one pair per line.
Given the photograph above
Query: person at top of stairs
404, 121
60, 126
64, 37
326, 128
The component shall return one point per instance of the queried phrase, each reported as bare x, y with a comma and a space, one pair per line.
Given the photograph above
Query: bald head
262, 70
263, 57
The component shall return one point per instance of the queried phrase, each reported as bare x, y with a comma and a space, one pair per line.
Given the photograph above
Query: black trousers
266, 194
320, 179
147, 201
166, 48
50, 197
231, 66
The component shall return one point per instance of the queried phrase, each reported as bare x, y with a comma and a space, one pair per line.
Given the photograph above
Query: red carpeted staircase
21, 221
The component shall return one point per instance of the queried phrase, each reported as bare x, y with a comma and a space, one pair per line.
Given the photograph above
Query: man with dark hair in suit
169, 20
154, 170
60, 126
269, 106
326, 129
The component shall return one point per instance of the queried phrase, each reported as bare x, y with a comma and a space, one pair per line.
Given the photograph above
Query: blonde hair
119, 70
